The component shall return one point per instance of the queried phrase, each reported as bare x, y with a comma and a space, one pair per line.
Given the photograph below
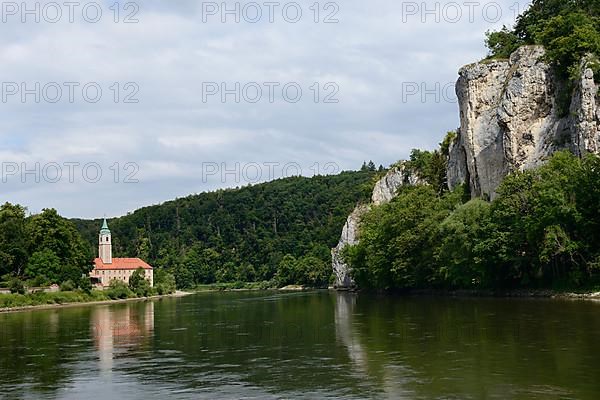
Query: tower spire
104, 226
105, 244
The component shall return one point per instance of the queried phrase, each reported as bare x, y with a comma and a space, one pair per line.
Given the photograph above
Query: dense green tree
502, 43
202, 263
45, 264
164, 282
287, 271
184, 278
460, 265
67, 286
16, 286
538, 234
534, 19
313, 272
119, 290
48, 231
245, 272
44, 248
13, 240
85, 284
568, 38
397, 240
226, 272
138, 283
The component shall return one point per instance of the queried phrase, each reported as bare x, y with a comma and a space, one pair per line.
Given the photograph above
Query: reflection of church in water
117, 328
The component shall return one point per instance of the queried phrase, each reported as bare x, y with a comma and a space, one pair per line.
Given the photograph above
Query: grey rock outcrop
387, 187
349, 238
510, 119
384, 191
585, 114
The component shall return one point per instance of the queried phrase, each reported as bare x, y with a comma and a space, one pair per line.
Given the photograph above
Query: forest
541, 231
278, 233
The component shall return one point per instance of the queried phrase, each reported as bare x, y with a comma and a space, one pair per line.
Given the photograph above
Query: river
307, 345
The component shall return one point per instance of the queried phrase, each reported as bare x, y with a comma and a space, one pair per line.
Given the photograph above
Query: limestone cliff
384, 191
349, 238
510, 119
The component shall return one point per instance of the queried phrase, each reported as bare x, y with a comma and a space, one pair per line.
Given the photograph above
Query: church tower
105, 244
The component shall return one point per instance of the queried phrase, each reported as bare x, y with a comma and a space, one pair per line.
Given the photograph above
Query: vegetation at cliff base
541, 231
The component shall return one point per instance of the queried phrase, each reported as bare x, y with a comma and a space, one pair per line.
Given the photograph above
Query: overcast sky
192, 100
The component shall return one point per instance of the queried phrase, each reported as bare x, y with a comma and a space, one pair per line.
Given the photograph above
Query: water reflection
118, 328
344, 316
303, 346
391, 376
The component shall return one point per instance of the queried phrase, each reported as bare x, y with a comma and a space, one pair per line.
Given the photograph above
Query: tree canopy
243, 234
568, 29
542, 230
43, 248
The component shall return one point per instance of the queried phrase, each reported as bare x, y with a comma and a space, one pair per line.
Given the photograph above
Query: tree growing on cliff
502, 43
568, 29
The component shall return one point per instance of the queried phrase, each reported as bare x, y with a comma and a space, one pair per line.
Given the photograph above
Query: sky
107, 107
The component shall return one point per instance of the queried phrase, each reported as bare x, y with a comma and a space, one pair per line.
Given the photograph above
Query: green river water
308, 345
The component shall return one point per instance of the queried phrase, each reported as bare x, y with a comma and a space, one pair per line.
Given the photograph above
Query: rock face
585, 114
510, 119
349, 238
384, 191
387, 187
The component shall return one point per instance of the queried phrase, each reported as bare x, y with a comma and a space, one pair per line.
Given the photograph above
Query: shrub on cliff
568, 29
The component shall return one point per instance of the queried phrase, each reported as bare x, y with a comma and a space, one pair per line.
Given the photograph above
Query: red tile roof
122, 263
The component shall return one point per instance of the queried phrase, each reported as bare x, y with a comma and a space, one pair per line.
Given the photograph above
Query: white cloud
369, 54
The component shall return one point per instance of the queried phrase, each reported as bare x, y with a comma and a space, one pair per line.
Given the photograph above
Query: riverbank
518, 293
70, 299
250, 286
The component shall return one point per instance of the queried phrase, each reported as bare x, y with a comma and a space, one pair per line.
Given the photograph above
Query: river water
310, 345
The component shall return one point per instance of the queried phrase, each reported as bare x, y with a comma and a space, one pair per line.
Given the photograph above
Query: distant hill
253, 227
